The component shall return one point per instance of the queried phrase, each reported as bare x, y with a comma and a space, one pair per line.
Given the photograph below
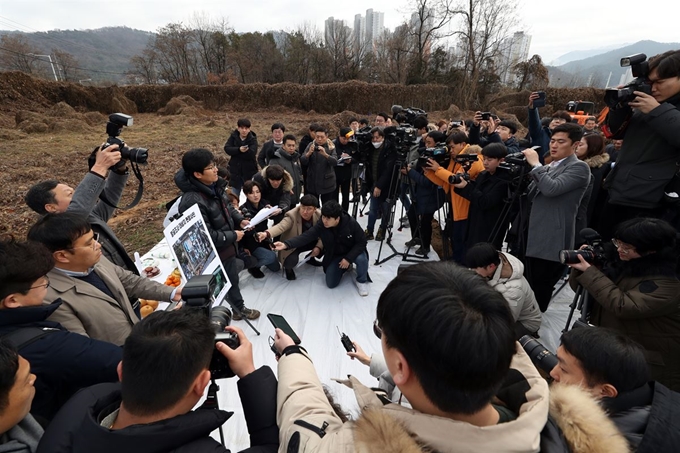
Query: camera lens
220, 317
571, 256
539, 355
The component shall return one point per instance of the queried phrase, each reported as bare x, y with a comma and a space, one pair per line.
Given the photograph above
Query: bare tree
143, 67
485, 27
16, 54
531, 74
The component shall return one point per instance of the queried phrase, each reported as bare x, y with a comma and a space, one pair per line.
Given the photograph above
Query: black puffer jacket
648, 158
63, 361
346, 240
220, 217
242, 166
77, 429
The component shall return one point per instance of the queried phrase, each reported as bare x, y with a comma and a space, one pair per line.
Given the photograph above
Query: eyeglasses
210, 167
376, 329
44, 285
620, 247
95, 240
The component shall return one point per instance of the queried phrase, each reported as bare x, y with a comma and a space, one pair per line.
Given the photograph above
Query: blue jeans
266, 258
334, 273
378, 207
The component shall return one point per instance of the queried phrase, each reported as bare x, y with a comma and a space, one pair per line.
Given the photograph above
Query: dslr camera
639, 65
198, 295
113, 129
593, 253
466, 161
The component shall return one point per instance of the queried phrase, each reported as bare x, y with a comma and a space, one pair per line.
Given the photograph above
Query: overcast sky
556, 27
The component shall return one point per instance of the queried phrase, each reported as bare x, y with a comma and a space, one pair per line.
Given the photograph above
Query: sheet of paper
304, 260
261, 216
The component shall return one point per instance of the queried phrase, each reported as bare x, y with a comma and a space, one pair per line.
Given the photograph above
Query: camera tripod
211, 403
395, 182
581, 302
515, 198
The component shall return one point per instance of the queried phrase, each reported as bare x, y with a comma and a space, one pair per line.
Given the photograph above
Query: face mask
377, 144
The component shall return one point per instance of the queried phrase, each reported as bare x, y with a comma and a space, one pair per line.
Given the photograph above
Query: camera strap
140, 190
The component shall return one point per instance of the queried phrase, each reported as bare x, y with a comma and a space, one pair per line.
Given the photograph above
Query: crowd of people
80, 370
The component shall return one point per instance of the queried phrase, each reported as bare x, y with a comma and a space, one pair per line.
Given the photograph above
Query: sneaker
362, 288
381, 235
247, 313
369, 234
256, 272
413, 242
422, 251
290, 274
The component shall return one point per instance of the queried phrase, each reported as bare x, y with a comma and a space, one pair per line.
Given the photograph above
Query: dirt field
62, 154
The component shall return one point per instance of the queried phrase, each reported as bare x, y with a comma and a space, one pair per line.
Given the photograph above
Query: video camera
517, 168
362, 138
439, 154
593, 253
113, 128
640, 67
406, 116
198, 295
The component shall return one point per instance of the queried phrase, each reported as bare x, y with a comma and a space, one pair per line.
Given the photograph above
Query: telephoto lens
539, 354
571, 256
220, 317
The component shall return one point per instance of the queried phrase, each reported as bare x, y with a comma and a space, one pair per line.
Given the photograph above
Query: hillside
594, 71
101, 51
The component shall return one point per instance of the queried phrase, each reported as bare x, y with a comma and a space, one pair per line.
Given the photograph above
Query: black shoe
247, 313
290, 274
413, 242
314, 262
369, 234
423, 251
256, 272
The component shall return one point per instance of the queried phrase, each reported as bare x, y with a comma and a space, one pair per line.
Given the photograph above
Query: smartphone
279, 322
486, 116
540, 102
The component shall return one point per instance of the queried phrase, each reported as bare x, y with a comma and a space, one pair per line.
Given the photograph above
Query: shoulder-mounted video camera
639, 66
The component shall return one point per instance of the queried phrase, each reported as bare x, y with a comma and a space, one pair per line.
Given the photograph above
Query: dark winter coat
63, 361
343, 171
427, 196
280, 196
539, 135
347, 240
649, 156
219, 215
242, 166
388, 173
647, 416
476, 137
77, 429
267, 152
487, 196
249, 242
320, 178
599, 168
290, 163
641, 299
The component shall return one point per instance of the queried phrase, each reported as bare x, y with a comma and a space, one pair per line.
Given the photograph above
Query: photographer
163, 374
63, 361
540, 135
487, 196
648, 158
638, 293
502, 132
612, 368
382, 177
260, 250
344, 244
449, 367
556, 193
108, 175
320, 160
241, 147
458, 144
